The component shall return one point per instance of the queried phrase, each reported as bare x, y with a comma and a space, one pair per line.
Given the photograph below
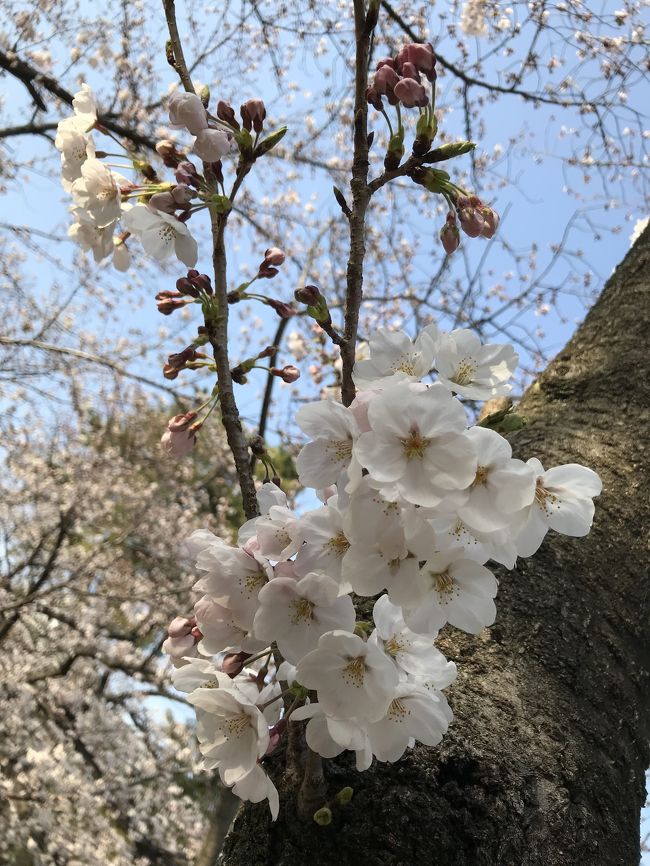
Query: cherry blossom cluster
414, 504
108, 208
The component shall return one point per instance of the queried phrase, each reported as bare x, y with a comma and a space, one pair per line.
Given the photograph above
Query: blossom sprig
414, 505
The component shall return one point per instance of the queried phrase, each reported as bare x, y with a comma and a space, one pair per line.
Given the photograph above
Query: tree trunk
544, 763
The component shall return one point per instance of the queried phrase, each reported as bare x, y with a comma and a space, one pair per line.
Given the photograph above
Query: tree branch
217, 326
360, 200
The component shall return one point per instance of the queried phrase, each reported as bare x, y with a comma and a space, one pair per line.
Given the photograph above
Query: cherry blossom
563, 501
353, 679
161, 234
295, 613
417, 445
333, 428
473, 370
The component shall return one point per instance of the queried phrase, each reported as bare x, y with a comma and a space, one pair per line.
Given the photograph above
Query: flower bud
202, 282
449, 235
180, 626
373, 98
226, 113
186, 173
386, 61
273, 256
185, 287
181, 422
233, 663
471, 220
284, 311
490, 222
408, 70
163, 201
419, 55
253, 114
166, 150
178, 443
384, 83
267, 273
182, 194
186, 109
288, 374
308, 295
411, 93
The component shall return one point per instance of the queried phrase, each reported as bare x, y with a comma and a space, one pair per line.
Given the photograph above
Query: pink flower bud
385, 61
421, 56
408, 70
253, 113
226, 113
490, 222
163, 201
266, 272
211, 144
233, 663
177, 445
308, 295
284, 311
180, 423
450, 236
288, 374
471, 221
273, 256
186, 109
374, 98
411, 93
167, 151
180, 626
182, 194
385, 80
187, 173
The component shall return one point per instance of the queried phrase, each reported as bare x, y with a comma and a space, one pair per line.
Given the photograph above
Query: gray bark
544, 763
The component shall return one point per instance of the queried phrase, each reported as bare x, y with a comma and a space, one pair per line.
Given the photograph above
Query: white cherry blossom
451, 589
211, 145
474, 370
353, 679
97, 192
563, 501
256, 786
333, 429
295, 613
328, 736
501, 487
413, 653
232, 732
186, 110
417, 444
85, 109
161, 234
91, 237
413, 714
220, 629
75, 148
394, 354
325, 543
234, 579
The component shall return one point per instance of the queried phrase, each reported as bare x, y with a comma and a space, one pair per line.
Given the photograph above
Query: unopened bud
166, 150
253, 114
266, 272
344, 796
181, 422
270, 142
308, 295
449, 235
288, 374
233, 663
226, 113
273, 256
268, 352
284, 311
186, 173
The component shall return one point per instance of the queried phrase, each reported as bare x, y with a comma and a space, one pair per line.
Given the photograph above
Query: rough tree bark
544, 764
